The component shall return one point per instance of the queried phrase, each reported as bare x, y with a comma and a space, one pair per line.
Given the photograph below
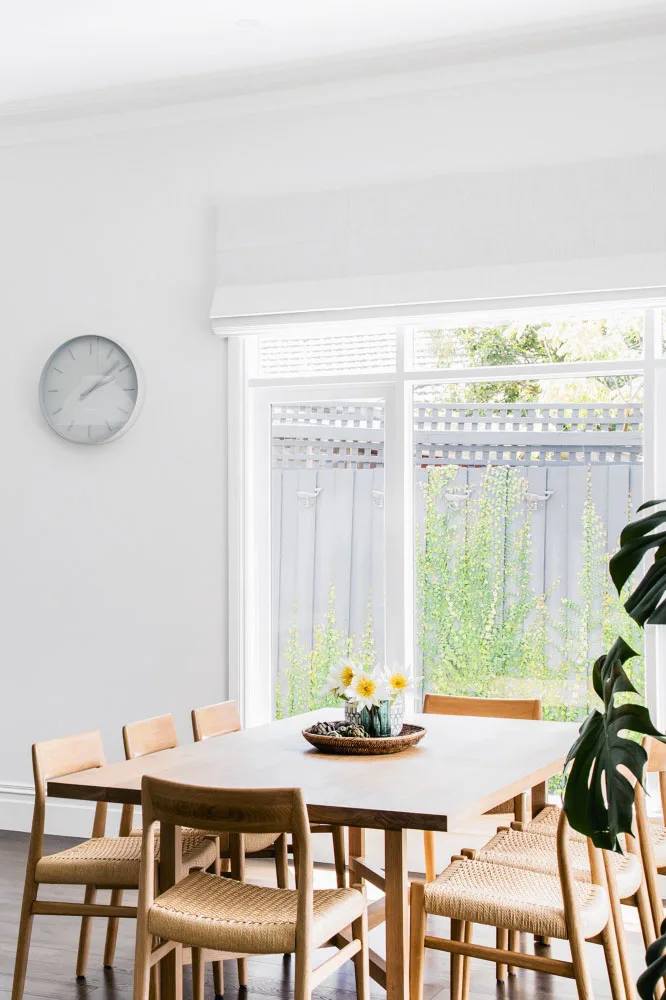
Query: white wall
113, 573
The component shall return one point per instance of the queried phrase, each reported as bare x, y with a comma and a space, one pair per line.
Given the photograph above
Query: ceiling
71, 47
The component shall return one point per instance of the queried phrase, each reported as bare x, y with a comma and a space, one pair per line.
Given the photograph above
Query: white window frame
249, 456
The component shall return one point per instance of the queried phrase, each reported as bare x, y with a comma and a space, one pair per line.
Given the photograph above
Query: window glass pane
520, 496
618, 335
326, 355
327, 517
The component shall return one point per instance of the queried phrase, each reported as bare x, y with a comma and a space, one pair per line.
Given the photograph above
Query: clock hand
113, 367
103, 380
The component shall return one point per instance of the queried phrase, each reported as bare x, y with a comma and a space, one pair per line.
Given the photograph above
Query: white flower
367, 690
398, 680
339, 679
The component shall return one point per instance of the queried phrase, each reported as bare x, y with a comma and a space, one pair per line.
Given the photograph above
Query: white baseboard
64, 817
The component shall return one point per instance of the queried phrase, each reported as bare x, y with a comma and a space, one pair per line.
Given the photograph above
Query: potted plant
598, 797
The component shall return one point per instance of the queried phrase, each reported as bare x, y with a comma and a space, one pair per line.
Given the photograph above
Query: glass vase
384, 719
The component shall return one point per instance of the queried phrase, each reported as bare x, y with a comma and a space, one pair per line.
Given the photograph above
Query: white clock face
89, 390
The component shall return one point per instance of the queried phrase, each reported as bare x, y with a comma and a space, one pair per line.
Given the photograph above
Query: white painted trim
242, 310
236, 518
64, 817
505, 373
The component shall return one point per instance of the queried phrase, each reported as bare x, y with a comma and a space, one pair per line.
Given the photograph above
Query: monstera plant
598, 796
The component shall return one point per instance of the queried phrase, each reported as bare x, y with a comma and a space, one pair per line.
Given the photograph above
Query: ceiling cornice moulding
410, 70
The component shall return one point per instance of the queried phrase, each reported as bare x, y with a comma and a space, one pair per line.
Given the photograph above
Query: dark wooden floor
53, 951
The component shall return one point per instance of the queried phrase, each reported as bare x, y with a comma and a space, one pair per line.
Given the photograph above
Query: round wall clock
89, 390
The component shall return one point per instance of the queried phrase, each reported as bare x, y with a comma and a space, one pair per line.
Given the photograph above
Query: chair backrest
229, 810
493, 708
215, 720
149, 736
54, 759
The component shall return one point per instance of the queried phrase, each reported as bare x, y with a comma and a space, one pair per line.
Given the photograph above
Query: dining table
463, 767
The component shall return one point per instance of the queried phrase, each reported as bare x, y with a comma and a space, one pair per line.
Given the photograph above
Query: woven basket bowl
366, 746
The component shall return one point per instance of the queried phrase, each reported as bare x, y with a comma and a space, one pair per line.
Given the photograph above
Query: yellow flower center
366, 687
347, 676
398, 682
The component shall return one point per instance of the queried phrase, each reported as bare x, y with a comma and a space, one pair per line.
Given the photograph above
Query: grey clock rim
138, 403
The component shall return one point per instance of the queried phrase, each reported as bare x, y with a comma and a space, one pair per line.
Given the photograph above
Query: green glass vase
377, 720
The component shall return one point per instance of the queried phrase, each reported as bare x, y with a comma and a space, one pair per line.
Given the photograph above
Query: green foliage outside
483, 630
307, 665
567, 340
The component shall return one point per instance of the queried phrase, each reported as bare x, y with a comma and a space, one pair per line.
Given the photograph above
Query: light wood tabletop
463, 767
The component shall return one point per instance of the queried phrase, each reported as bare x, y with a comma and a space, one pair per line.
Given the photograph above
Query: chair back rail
149, 736
491, 708
55, 759
215, 720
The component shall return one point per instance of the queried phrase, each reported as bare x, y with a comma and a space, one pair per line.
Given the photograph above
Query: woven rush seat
115, 861
253, 841
513, 898
538, 853
211, 912
546, 823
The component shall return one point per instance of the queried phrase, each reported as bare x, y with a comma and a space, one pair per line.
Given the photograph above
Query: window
446, 496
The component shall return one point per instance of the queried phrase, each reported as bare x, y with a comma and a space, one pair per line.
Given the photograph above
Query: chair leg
579, 961
24, 935
281, 862
142, 971
417, 924
112, 930
85, 934
457, 934
429, 852
241, 964
642, 901
295, 856
218, 979
609, 942
154, 984
197, 975
218, 968
361, 958
501, 941
467, 961
617, 927
302, 987
514, 945
338, 833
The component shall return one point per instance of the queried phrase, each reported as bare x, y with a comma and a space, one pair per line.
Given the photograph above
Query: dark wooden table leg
539, 797
170, 872
356, 850
397, 915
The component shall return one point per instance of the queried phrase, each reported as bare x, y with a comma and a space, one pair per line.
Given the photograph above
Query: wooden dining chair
473, 891
490, 708
210, 913
223, 718
99, 863
530, 851
650, 840
140, 739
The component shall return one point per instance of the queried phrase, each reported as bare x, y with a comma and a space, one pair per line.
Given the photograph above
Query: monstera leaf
646, 605
598, 797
